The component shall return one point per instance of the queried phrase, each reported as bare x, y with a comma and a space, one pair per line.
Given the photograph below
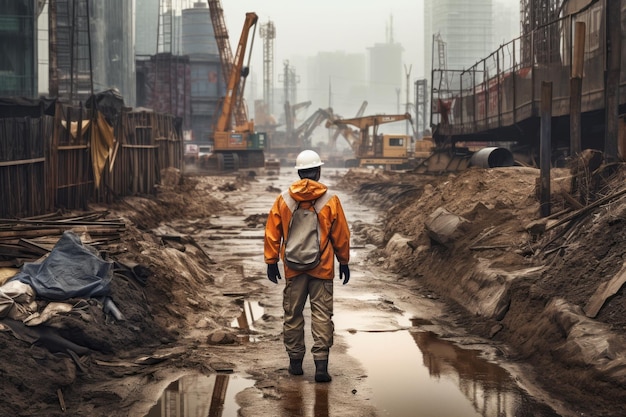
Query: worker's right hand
273, 274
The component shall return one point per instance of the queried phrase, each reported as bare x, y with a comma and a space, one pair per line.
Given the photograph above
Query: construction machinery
290, 142
347, 132
302, 134
388, 150
290, 114
235, 145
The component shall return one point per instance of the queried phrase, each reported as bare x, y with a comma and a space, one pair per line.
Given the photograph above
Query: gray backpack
302, 247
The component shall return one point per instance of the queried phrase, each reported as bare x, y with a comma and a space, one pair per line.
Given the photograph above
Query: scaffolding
421, 107
536, 16
290, 81
537, 13
268, 33
70, 50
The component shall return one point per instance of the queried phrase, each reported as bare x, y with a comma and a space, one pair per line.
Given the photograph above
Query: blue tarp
71, 270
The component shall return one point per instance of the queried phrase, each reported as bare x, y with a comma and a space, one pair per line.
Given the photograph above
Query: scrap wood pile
28, 239
596, 189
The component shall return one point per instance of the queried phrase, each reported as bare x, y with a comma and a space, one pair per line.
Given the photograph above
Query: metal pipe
492, 157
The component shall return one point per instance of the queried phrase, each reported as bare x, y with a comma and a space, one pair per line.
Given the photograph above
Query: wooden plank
141, 146
604, 292
61, 223
30, 233
34, 247
71, 147
22, 162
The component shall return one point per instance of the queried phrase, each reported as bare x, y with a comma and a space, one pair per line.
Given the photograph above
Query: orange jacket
333, 224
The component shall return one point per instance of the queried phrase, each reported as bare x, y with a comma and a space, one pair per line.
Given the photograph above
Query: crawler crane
239, 145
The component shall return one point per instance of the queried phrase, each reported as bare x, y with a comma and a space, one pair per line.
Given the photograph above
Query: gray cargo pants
320, 294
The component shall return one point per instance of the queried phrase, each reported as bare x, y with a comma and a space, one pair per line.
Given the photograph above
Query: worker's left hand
344, 273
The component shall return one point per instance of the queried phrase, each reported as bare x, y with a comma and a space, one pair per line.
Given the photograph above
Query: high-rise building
338, 80
386, 92
92, 47
207, 80
18, 40
506, 21
146, 24
112, 47
465, 26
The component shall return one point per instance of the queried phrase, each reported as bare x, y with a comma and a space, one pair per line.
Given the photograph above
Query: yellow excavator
235, 145
388, 150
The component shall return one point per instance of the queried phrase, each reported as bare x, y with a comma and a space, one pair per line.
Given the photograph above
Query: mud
500, 281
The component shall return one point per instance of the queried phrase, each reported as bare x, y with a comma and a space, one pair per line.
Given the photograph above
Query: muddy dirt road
202, 327
389, 357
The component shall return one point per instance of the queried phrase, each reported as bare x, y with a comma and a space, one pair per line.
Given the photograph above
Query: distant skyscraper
207, 80
337, 80
386, 92
506, 21
465, 26
18, 65
147, 20
156, 33
113, 41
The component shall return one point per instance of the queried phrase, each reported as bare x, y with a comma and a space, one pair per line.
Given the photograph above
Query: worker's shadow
320, 409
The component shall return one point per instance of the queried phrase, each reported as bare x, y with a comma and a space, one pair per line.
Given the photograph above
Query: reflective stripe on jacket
333, 224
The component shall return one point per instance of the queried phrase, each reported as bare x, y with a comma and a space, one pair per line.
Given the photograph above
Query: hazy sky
304, 28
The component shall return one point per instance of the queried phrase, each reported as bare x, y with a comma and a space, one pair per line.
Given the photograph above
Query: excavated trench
411, 357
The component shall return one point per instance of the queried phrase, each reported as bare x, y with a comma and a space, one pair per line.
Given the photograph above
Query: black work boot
295, 366
321, 371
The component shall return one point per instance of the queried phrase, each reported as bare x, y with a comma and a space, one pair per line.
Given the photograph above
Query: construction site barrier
47, 159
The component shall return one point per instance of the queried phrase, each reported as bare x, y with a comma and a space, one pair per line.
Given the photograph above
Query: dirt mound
159, 272
521, 285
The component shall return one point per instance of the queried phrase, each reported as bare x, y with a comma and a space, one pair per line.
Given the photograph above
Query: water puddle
251, 311
416, 373
200, 395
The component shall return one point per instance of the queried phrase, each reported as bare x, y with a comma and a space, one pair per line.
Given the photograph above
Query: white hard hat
308, 159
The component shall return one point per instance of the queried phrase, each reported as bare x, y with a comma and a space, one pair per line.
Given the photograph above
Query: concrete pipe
492, 157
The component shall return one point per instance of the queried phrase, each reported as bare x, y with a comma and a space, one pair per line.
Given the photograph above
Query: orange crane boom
224, 121
226, 56
235, 145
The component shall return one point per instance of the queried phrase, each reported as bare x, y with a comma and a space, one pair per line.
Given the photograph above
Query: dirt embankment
527, 287
87, 363
533, 285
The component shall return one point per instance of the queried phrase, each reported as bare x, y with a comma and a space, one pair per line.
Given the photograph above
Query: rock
445, 227
495, 330
170, 177
220, 337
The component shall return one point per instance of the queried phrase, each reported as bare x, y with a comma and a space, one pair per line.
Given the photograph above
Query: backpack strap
291, 203
318, 205
321, 202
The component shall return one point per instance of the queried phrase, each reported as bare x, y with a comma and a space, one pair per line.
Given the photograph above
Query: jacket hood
307, 190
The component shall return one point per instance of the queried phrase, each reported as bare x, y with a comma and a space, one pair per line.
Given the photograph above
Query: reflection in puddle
251, 311
441, 380
303, 399
200, 395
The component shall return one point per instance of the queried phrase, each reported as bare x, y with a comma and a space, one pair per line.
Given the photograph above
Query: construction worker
316, 283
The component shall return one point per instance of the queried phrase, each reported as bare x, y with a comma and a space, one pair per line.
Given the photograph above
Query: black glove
344, 273
273, 274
